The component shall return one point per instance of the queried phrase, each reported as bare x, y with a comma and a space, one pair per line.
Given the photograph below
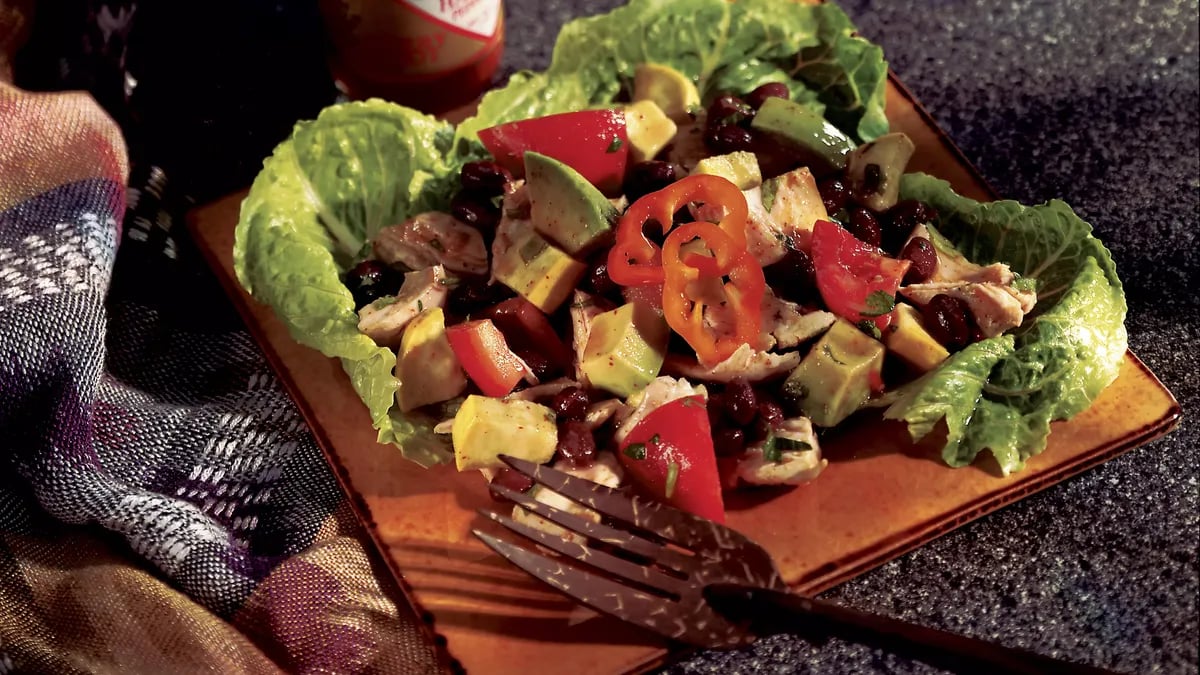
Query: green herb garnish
672, 478
635, 451
867, 326
879, 303
615, 145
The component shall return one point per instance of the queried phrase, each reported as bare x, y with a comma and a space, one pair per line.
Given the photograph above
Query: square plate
880, 496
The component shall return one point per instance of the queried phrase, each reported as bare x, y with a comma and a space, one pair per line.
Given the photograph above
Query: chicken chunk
606, 470
996, 308
745, 363
433, 238
385, 319
797, 464
660, 391
584, 308
789, 325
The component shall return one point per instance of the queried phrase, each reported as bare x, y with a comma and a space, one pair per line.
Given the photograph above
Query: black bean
924, 260
729, 442
728, 138
766, 91
646, 177
741, 405
872, 179
947, 321
793, 277
570, 404
513, 480
543, 368
486, 179
716, 411
472, 294
728, 109
909, 213
835, 193
576, 444
598, 281
371, 280
864, 226
769, 411
478, 213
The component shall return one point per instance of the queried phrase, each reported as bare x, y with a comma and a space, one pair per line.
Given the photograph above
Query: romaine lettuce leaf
319, 198
720, 45
1066, 352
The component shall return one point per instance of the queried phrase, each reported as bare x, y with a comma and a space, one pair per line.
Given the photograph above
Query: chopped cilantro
867, 326
827, 351
449, 281
655, 439
420, 306
672, 478
436, 244
635, 451
878, 303
693, 402
498, 200
1025, 284
615, 145
768, 190
790, 444
771, 450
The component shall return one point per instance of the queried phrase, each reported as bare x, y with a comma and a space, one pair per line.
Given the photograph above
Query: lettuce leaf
722, 46
319, 198
1067, 351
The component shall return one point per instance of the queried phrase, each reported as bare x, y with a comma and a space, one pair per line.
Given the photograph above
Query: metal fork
695, 581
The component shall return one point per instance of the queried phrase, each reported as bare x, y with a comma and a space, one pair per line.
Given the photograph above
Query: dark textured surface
1095, 102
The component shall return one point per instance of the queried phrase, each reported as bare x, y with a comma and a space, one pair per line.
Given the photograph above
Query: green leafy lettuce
1001, 394
358, 167
720, 45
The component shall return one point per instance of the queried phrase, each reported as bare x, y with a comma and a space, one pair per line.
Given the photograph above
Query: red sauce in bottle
433, 55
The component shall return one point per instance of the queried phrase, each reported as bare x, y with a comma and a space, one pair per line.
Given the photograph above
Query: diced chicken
385, 319
797, 464
789, 325
606, 470
433, 238
514, 225
988, 290
746, 363
584, 309
765, 239
660, 391
996, 308
515, 204
601, 412
687, 147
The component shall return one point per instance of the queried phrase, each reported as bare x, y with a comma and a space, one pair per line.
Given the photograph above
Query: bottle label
471, 18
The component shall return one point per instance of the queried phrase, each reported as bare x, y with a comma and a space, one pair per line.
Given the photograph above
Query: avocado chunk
648, 128
670, 89
875, 169
625, 349
837, 376
795, 203
566, 208
805, 131
907, 337
739, 168
485, 428
539, 272
427, 370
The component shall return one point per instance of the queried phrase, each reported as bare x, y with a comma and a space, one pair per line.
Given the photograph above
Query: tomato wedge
856, 280
670, 456
593, 142
485, 356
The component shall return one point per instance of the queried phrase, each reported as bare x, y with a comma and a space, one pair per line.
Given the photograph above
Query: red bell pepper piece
593, 142
670, 456
527, 330
485, 356
857, 281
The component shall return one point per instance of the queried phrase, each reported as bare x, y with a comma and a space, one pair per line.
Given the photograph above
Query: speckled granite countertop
1094, 102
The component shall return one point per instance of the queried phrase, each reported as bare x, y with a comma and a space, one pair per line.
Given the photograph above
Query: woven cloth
163, 507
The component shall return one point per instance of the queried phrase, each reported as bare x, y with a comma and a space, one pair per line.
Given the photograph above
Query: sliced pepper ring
744, 290
635, 260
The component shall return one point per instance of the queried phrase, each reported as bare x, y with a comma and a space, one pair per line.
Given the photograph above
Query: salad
677, 258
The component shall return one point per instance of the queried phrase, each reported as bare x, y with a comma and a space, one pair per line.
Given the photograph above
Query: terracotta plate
879, 498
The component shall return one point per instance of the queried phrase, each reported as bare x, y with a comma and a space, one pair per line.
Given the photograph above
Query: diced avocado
670, 89
795, 203
486, 428
804, 130
426, 367
649, 129
875, 169
565, 207
908, 338
837, 376
539, 272
740, 168
625, 349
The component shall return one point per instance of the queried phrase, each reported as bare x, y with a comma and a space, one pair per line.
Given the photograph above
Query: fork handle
783, 612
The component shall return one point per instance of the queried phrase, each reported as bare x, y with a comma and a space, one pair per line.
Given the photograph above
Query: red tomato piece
593, 142
670, 456
527, 329
485, 356
857, 281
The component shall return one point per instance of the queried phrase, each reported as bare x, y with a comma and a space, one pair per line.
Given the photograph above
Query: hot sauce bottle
433, 55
